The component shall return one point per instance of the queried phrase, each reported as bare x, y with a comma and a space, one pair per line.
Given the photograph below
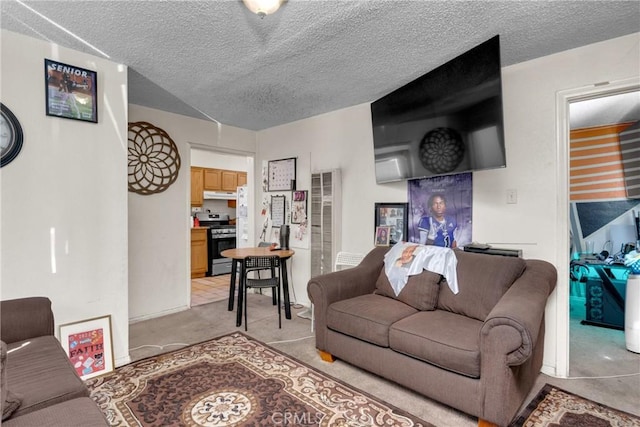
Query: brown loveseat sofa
478, 351
39, 385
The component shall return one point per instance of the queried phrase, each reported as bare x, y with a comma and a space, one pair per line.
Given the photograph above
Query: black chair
257, 269
271, 263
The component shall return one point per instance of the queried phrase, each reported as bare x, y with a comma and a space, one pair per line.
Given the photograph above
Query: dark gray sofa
39, 385
478, 351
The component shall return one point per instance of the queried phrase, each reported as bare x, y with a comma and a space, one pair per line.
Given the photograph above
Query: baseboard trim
158, 314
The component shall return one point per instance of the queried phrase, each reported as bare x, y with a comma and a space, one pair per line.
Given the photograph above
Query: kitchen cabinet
197, 186
212, 179
199, 255
209, 179
242, 179
229, 180
223, 180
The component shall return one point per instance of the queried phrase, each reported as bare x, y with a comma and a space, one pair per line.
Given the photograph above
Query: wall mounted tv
445, 122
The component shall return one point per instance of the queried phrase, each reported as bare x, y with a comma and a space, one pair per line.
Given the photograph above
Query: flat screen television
445, 122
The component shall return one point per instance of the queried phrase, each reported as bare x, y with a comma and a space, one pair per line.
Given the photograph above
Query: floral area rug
554, 407
235, 380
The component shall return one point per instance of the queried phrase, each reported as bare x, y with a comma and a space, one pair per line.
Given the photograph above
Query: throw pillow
482, 280
420, 292
10, 401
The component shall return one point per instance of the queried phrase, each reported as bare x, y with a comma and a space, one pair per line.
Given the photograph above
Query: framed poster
382, 235
277, 210
88, 346
71, 92
282, 174
395, 216
299, 207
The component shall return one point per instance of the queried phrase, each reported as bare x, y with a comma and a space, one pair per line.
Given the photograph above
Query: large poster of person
440, 210
71, 91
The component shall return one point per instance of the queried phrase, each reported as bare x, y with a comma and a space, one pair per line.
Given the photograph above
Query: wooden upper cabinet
213, 179
219, 180
196, 186
242, 179
229, 180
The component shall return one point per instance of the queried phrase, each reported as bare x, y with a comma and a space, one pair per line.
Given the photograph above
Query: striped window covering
630, 146
596, 165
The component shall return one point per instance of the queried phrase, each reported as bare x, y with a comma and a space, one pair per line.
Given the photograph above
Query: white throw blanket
417, 258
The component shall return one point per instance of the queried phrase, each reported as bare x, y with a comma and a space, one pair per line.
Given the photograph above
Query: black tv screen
445, 122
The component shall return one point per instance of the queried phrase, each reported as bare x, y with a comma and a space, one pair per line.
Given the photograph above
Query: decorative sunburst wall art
154, 161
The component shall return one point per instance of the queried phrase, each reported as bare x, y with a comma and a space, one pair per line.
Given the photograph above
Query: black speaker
284, 236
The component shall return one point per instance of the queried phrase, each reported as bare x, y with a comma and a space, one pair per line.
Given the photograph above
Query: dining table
238, 255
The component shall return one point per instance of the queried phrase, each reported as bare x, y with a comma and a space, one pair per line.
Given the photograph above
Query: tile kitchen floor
205, 290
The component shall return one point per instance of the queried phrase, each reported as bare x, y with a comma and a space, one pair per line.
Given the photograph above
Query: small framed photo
88, 345
299, 207
382, 235
71, 92
394, 215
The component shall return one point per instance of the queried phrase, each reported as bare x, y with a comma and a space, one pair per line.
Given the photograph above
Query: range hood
220, 195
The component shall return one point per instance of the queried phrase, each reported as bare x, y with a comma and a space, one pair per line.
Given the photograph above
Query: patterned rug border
524, 415
395, 409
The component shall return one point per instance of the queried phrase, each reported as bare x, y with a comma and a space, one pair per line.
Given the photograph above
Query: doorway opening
216, 209
594, 346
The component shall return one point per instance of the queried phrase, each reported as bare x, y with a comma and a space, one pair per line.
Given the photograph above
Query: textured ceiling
216, 60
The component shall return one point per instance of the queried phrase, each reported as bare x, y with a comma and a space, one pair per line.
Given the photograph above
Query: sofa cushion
420, 292
367, 317
80, 412
482, 280
9, 401
441, 338
41, 372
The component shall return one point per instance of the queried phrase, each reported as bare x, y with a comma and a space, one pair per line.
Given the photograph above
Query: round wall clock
10, 136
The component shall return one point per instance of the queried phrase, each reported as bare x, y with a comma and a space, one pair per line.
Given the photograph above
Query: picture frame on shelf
88, 344
71, 92
382, 235
395, 216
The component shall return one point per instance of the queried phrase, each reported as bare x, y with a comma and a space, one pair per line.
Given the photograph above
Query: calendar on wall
282, 174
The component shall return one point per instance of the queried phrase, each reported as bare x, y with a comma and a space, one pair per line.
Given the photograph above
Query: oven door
219, 244
219, 264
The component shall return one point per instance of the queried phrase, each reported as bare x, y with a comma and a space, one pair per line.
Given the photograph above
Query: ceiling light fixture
263, 8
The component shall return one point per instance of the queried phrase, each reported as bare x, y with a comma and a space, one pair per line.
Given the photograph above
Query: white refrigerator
243, 239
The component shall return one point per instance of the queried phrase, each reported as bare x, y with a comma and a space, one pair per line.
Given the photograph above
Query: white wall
69, 178
159, 227
343, 139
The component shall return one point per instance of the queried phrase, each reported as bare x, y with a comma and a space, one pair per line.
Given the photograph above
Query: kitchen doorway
592, 351
214, 286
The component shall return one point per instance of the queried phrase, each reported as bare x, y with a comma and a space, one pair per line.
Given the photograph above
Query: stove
221, 236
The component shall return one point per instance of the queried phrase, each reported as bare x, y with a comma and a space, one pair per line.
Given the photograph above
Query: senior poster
440, 210
71, 91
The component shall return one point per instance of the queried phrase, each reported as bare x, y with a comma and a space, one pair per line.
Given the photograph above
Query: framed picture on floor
88, 344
